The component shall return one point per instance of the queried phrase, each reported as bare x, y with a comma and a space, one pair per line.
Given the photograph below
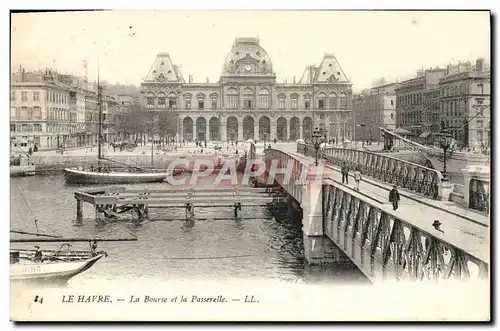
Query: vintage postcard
177, 165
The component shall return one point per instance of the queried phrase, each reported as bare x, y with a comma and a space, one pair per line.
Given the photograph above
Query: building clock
248, 67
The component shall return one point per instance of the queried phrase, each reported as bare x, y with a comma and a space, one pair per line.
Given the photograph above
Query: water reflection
254, 246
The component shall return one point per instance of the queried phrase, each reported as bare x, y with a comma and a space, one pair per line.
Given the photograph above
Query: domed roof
247, 57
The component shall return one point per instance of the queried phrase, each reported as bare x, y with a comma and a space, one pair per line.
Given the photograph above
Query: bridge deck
448, 206
458, 231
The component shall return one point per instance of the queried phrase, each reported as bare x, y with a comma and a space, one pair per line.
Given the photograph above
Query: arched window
264, 99
248, 99
295, 98
172, 100
321, 100
161, 100
232, 98
332, 101
150, 99
281, 99
343, 101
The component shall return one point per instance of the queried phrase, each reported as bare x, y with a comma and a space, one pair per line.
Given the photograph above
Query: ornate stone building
247, 102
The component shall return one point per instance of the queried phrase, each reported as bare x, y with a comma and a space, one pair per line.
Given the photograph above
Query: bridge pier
321, 250
312, 207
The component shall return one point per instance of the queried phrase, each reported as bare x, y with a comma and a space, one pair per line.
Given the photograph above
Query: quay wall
56, 163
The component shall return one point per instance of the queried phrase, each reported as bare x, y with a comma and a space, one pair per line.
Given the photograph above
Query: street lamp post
152, 135
264, 136
318, 137
445, 142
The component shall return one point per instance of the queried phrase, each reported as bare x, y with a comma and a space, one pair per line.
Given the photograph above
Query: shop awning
424, 134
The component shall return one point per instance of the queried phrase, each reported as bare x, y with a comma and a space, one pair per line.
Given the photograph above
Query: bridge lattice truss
385, 246
381, 244
408, 175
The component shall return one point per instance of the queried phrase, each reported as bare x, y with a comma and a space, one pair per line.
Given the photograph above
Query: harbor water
216, 247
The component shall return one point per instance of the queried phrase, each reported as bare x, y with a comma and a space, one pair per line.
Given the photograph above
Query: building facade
53, 110
372, 109
412, 111
248, 103
465, 106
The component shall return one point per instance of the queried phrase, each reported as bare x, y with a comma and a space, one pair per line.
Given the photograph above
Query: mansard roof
329, 71
163, 70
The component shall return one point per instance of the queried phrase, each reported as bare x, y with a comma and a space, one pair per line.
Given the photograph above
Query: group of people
344, 170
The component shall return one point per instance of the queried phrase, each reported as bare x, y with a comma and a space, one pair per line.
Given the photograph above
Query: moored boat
53, 266
80, 176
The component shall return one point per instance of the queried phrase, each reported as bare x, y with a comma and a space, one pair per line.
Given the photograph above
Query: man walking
394, 197
357, 177
345, 173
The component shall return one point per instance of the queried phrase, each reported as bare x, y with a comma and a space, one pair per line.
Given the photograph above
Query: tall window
281, 101
150, 99
321, 101
264, 99
187, 101
248, 99
295, 103
214, 101
343, 101
201, 100
30, 113
332, 101
24, 96
232, 98
307, 103
172, 100
161, 100
37, 127
13, 96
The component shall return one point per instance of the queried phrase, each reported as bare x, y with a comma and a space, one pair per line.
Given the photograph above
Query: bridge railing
408, 175
386, 247
300, 172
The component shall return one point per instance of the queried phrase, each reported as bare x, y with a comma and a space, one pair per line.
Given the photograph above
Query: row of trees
137, 121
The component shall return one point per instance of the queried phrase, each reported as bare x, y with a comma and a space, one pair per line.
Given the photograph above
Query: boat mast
99, 104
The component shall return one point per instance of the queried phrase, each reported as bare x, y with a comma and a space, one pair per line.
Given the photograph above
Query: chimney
190, 79
208, 80
293, 80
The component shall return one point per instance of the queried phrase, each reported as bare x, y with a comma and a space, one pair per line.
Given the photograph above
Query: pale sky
368, 45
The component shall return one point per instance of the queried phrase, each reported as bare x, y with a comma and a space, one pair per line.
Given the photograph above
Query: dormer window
162, 63
237, 53
169, 71
258, 53
324, 73
330, 65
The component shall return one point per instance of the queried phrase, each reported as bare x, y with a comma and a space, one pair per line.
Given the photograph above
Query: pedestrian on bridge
357, 177
394, 197
345, 173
